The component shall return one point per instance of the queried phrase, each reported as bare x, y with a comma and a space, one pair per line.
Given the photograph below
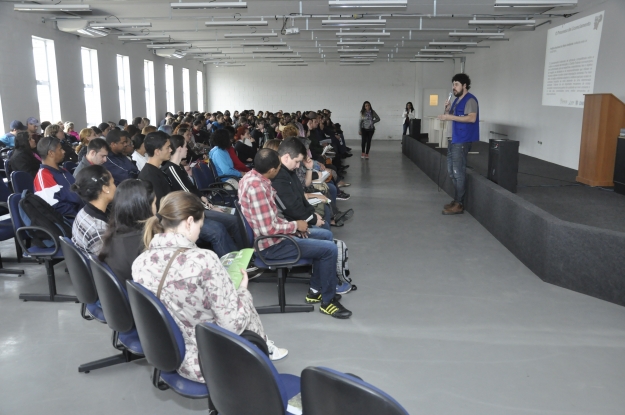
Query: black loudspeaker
619, 167
415, 128
503, 163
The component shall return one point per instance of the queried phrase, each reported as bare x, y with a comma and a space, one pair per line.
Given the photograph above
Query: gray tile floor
445, 319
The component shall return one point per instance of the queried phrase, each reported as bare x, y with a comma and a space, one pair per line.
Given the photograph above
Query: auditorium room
318, 207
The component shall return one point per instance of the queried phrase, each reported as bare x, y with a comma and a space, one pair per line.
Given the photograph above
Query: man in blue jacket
9, 138
464, 113
117, 163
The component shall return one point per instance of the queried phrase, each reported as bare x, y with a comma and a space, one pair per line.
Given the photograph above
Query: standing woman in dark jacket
23, 158
366, 127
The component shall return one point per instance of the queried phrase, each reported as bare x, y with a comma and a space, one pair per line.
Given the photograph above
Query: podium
604, 116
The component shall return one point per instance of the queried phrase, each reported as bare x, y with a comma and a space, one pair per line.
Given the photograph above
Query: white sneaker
276, 353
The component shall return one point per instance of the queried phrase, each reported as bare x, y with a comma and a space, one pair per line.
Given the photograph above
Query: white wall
507, 80
341, 89
17, 73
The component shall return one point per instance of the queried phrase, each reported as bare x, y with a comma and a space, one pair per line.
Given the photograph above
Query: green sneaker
313, 298
335, 309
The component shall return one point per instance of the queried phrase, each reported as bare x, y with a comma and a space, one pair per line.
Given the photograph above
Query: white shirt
139, 159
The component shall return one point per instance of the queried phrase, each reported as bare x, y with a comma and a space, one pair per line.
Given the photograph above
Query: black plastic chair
7, 231
162, 342
328, 392
70, 166
281, 267
118, 315
82, 280
241, 378
22, 181
49, 256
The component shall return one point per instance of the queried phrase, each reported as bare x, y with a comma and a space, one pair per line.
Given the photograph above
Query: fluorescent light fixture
355, 63
426, 60
273, 51
443, 50
453, 43
169, 45
237, 23
92, 32
357, 60
208, 57
535, 3
435, 56
142, 37
208, 5
177, 55
32, 7
264, 44
103, 25
359, 43
364, 4
229, 64
502, 22
292, 64
363, 34
358, 50
354, 22
203, 50
273, 56
371, 55
475, 34
244, 35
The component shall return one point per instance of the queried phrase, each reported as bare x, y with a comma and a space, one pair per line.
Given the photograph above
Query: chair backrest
209, 171
7, 167
200, 177
4, 191
328, 392
249, 233
22, 181
241, 379
113, 297
161, 339
79, 271
14, 210
70, 166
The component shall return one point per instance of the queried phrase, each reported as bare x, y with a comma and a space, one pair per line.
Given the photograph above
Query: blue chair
241, 378
162, 342
214, 191
328, 392
7, 231
22, 181
82, 280
281, 267
118, 315
49, 256
70, 166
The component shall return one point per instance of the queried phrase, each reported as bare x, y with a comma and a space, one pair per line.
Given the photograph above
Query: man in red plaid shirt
257, 199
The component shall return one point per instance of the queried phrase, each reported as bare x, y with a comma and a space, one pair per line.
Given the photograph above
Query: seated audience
104, 128
221, 158
133, 204
245, 146
257, 198
197, 288
55, 130
116, 162
86, 135
97, 152
96, 187
69, 130
139, 156
23, 158
53, 183
8, 140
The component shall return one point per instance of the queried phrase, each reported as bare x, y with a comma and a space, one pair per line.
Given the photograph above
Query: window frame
93, 104
124, 90
200, 91
50, 84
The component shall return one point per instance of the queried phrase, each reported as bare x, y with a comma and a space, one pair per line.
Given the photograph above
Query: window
169, 88
91, 82
123, 82
150, 101
47, 82
2, 126
186, 92
200, 92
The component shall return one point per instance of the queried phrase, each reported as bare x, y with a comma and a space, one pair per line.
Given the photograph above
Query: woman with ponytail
196, 288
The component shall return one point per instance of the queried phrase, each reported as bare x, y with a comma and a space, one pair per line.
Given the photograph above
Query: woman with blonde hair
69, 129
190, 281
148, 129
86, 135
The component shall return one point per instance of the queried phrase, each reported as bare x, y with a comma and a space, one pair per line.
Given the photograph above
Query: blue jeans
333, 192
457, 168
405, 128
217, 234
319, 247
231, 222
327, 217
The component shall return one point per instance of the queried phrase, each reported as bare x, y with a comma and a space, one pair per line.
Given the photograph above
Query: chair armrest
223, 185
4, 205
228, 176
278, 263
22, 243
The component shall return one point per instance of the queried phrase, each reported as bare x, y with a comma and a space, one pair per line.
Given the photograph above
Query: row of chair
240, 377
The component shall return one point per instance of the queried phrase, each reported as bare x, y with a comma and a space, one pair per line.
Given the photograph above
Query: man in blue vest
465, 114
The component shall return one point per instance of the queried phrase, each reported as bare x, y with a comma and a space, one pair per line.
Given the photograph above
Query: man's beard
458, 94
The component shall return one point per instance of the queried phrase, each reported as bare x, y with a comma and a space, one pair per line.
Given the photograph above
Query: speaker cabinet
619, 167
415, 128
503, 163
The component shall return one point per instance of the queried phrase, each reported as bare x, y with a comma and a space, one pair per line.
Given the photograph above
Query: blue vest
464, 132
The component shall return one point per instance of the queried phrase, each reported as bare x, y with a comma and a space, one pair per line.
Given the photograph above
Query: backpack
34, 211
342, 267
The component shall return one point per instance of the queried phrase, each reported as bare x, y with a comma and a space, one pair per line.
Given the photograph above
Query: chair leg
157, 382
52, 296
282, 307
124, 357
3, 270
18, 251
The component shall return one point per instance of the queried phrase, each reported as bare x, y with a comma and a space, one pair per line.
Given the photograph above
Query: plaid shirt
258, 205
88, 229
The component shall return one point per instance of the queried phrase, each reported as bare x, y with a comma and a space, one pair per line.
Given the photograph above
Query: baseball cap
16, 125
33, 121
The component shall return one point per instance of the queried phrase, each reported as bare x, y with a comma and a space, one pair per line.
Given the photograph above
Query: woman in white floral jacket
197, 288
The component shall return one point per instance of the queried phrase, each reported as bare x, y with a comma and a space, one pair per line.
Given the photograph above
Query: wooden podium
604, 116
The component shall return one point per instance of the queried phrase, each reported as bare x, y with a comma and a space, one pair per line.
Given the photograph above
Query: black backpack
34, 211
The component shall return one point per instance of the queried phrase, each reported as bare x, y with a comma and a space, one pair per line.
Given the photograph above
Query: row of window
48, 88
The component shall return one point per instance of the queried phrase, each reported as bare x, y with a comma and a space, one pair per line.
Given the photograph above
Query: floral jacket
197, 289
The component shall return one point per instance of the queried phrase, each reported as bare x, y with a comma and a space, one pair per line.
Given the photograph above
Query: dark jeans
216, 233
405, 128
319, 247
367, 135
231, 222
457, 168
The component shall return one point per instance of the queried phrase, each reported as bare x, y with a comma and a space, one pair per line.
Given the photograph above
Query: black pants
367, 135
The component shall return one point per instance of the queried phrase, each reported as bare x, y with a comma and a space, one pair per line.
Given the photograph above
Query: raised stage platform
569, 235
